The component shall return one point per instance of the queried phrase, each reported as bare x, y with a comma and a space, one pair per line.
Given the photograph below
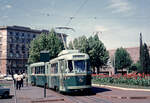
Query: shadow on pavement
100, 90
92, 91
10, 97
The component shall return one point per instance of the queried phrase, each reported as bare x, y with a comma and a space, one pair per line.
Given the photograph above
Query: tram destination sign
78, 56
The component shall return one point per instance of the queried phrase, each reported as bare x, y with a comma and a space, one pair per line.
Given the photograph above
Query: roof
20, 28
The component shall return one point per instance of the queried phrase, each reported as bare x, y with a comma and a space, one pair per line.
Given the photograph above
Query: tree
80, 43
144, 56
97, 52
94, 48
146, 59
49, 42
141, 58
122, 59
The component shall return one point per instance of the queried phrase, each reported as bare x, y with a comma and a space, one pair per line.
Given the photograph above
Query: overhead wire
75, 14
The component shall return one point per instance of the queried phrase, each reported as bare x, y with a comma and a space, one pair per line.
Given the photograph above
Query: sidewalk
35, 94
32, 94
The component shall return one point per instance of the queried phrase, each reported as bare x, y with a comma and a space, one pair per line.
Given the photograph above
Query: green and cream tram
70, 71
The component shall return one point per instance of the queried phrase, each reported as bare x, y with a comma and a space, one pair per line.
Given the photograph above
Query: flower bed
130, 79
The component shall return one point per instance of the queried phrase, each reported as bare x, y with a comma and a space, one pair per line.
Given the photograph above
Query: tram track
96, 99
80, 98
86, 99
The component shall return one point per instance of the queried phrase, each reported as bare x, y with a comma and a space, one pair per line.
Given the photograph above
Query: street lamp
66, 28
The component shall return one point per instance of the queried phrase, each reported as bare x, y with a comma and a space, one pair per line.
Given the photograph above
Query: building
14, 47
134, 53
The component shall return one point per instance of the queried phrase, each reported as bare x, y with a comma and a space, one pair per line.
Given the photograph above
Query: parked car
4, 92
9, 78
2, 76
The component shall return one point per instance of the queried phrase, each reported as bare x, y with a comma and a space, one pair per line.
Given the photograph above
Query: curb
132, 89
126, 97
138, 97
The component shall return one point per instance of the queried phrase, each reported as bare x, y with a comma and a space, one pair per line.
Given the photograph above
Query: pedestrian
18, 82
21, 82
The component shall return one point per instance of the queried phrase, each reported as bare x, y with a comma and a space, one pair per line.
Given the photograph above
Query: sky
118, 22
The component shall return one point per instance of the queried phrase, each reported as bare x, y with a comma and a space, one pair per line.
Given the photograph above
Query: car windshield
79, 66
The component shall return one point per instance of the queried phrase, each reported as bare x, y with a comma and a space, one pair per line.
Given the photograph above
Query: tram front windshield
79, 66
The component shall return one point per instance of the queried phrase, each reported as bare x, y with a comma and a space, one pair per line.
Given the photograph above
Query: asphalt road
32, 94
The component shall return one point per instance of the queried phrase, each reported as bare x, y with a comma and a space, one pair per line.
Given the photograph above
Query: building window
23, 47
17, 47
11, 54
17, 55
0, 53
11, 33
34, 35
0, 46
28, 35
23, 35
0, 39
11, 46
23, 40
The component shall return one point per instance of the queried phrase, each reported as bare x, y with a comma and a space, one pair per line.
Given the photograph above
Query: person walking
18, 82
21, 82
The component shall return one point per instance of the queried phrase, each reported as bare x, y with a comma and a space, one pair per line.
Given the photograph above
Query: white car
2, 76
9, 78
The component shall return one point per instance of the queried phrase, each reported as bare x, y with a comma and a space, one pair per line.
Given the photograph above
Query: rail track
79, 98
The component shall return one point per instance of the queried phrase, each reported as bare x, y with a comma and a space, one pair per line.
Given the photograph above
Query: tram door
61, 70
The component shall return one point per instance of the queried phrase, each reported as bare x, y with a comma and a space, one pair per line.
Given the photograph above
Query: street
32, 94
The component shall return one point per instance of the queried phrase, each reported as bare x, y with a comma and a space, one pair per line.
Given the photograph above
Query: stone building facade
109, 69
14, 47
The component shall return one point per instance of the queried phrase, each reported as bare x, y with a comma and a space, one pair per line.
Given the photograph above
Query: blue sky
119, 21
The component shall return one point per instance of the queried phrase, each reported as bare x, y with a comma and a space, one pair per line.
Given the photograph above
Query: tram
70, 71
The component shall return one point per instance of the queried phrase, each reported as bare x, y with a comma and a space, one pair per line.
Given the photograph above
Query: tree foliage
94, 48
49, 42
144, 57
122, 59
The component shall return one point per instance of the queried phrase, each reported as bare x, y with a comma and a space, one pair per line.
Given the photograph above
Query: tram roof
64, 52
37, 64
70, 55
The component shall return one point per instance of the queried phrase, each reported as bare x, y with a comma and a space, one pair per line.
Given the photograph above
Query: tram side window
32, 70
54, 68
35, 70
42, 70
70, 65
